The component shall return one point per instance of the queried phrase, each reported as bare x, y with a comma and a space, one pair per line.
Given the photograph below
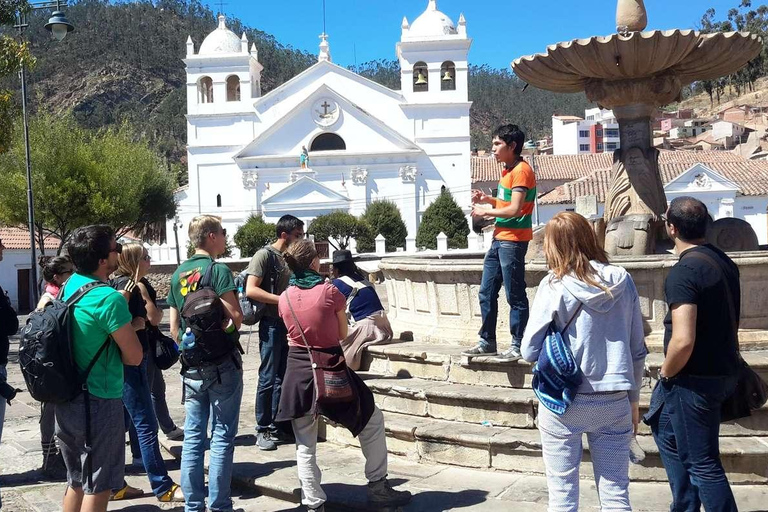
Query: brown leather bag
329, 370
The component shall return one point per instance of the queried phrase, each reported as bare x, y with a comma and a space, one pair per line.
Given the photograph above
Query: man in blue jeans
268, 277
505, 260
213, 390
700, 364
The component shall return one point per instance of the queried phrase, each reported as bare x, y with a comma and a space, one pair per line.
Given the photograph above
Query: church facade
328, 139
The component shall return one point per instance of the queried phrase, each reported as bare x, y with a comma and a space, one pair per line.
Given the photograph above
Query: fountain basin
436, 297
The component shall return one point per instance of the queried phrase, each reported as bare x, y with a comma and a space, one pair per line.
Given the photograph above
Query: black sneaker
265, 442
282, 437
478, 350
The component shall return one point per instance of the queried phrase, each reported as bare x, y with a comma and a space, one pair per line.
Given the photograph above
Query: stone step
504, 407
518, 450
435, 488
445, 363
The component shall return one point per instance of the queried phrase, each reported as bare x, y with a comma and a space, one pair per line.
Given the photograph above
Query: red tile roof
546, 167
15, 238
751, 176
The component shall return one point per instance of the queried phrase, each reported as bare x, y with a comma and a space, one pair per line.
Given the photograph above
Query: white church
363, 141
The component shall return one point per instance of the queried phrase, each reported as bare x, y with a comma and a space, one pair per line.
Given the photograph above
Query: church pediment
326, 111
306, 194
700, 179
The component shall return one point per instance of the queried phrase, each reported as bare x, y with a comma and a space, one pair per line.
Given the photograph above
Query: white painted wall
13, 260
565, 137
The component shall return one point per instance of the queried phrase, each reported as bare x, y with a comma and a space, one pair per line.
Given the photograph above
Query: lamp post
176, 226
59, 26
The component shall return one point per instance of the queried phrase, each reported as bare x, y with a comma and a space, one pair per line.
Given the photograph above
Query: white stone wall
565, 137
13, 260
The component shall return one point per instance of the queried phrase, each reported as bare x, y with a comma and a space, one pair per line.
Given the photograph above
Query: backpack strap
207, 275
356, 287
80, 293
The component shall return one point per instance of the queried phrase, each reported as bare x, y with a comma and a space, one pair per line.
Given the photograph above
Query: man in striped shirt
505, 260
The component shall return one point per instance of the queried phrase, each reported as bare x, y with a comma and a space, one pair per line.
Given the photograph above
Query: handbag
751, 392
556, 374
333, 384
164, 349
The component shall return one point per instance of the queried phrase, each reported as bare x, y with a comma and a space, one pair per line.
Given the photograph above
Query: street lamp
59, 26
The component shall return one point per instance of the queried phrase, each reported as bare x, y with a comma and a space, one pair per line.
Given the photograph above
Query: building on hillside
729, 184
729, 133
684, 128
597, 132
16, 265
360, 141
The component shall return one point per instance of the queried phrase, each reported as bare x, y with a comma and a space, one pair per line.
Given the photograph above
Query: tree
381, 217
82, 177
253, 235
336, 228
443, 215
13, 54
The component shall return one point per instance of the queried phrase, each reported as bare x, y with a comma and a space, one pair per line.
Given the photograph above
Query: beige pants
371, 330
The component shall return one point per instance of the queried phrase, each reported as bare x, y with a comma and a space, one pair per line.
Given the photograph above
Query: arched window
205, 90
233, 88
448, 76
218, 200
328, 142
420, 77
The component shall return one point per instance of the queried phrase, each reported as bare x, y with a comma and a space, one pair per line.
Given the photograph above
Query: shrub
253, 235
340, 226
227, 252
381, 217
445, 215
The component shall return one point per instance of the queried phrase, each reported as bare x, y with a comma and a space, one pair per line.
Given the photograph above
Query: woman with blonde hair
595, 306
132, 266
314, 312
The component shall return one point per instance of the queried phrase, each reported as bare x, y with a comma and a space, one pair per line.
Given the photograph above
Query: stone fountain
633, 73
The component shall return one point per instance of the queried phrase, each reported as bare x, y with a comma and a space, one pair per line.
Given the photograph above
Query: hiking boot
54, 467
512, 354
264, 441
282, 437
177, 434
380, 493
479, 350
126, 493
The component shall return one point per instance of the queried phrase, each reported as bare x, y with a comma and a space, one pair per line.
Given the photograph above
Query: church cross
325, 106
221, 4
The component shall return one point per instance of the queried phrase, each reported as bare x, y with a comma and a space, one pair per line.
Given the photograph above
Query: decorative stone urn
633, 73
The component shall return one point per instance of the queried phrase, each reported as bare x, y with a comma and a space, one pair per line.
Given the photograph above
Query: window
218, 201
328, 142
583, 133
233, 88
612, 132
583, 147
599, 133
420, 77
448, 76
205, 90
611, 146
599, 146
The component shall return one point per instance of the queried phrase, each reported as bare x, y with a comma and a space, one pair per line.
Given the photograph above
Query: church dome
432, 23
221, 40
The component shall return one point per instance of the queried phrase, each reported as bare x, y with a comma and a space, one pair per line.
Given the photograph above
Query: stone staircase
442, 408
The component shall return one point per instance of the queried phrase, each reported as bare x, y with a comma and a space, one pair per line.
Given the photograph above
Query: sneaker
478, 350
126, 493
380, 493
264, 441
636, 453
511, 354
282, 437
177, 434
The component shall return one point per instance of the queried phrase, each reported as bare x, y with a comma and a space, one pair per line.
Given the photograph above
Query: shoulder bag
329, 371
751, 391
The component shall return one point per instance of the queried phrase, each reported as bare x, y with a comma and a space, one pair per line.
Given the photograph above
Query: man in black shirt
700, 363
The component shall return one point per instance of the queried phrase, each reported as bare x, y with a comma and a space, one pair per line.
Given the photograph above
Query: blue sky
501, 30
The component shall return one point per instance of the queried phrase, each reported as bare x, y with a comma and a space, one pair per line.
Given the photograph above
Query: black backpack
46, 354
203, 312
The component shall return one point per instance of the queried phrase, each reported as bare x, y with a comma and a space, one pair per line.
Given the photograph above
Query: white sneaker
176, 434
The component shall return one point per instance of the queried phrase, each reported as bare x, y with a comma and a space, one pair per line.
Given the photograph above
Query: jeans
504, 263
686, 430
138, 403
373, 442
606, 418
211, 392
157, 388
273, 348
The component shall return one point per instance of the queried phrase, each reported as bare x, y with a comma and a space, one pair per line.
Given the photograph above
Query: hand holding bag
331, 375
164, 348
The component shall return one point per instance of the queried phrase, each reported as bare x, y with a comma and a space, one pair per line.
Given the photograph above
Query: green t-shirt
188, 276
98, 314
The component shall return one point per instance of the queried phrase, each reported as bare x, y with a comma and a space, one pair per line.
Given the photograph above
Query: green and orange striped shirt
520, 228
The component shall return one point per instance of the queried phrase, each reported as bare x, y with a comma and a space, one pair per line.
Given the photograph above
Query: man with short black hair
93, 471
700, 362
504, 262
268, 277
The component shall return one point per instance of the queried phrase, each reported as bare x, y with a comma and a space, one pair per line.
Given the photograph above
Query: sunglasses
118, 248
146, 257
224, 231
